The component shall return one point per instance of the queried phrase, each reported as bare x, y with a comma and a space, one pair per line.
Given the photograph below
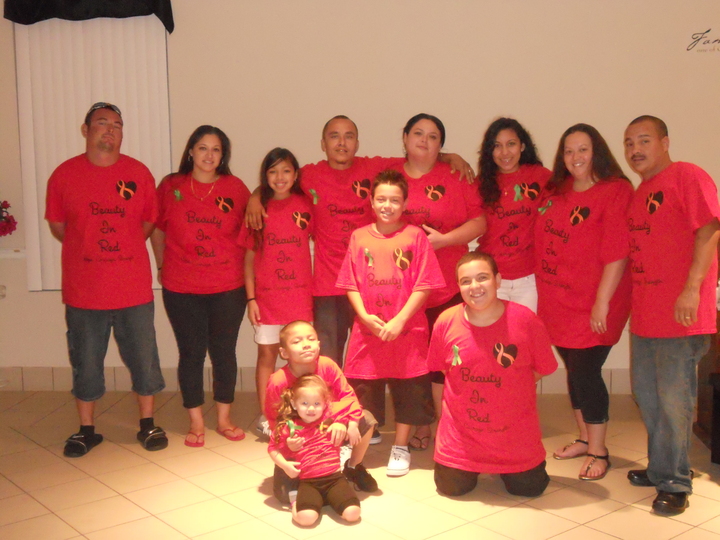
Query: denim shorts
88, 336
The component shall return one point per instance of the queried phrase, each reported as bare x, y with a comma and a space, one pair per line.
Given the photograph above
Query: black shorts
412, 399
334, 490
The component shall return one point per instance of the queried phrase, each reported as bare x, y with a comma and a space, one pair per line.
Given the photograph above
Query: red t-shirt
105, 261
318, 456
201, 253
489, 421
664, 215
579, 233
341, 204
386, 270
442, 201
283, 269
343, 396
511, 220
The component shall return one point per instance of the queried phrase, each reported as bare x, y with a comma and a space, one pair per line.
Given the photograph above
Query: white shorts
268, 334
521, 291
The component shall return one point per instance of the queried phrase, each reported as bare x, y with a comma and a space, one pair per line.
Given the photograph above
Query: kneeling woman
492, 352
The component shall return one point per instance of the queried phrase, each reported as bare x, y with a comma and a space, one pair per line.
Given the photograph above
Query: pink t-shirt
442, 201
511, 220
341, 204
489, 421
386, 270
343, 396
283, 270
105, 261
201, 253
664, 215
576, 236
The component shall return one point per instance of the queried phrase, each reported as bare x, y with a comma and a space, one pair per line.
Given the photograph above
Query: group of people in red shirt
453, 334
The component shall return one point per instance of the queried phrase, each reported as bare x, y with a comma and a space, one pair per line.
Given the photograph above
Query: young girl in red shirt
303, 418
278, 268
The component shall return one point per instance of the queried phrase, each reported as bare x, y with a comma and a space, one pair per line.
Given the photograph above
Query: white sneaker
345, 451
399, 464
263, 426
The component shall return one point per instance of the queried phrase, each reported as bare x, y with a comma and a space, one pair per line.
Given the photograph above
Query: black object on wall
32, 11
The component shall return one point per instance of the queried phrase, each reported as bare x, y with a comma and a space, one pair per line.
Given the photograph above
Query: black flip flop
153, 439
78, 444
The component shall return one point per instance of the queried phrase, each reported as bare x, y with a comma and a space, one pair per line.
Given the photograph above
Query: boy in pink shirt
388, 273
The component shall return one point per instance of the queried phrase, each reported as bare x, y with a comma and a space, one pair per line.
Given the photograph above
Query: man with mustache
101, 206
674, 231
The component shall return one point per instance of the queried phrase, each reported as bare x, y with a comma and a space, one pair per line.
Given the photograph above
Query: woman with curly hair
512, 184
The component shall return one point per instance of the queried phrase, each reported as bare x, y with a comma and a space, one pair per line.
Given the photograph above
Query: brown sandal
559, 457
595, 457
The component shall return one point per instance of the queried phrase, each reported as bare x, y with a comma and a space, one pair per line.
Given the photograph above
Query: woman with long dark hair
581, 246
512, 184
200, 266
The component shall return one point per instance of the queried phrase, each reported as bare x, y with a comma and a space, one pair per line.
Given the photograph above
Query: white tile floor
120, 491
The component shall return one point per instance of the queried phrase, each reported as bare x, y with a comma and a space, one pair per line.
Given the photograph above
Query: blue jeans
88, 336
664, 382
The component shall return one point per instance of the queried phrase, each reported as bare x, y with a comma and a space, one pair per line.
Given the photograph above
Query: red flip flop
229, 434
199, 441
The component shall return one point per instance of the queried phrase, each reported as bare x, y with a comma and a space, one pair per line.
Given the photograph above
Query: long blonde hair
286, 412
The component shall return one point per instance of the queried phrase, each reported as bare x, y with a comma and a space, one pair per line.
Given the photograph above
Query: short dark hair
338, 117
477, 256
423, 116
659, 124
390, 177
488, 169
289, 327
186, 164
101, 105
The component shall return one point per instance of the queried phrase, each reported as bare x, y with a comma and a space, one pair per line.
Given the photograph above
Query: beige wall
270, 74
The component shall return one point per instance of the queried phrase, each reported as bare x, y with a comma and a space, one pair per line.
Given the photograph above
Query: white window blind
63, 67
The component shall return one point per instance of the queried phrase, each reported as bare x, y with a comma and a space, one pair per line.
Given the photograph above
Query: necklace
192, 188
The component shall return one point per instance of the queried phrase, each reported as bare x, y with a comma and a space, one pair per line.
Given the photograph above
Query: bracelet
251, 299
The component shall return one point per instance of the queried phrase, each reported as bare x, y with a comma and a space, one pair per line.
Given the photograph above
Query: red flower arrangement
7, 223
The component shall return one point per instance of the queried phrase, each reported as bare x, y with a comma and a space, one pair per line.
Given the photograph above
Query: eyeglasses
103, 105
